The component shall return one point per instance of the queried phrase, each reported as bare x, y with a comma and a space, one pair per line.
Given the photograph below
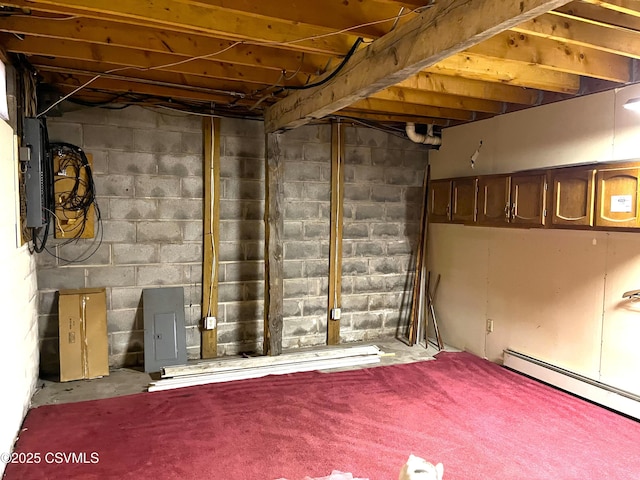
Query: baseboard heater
597, 392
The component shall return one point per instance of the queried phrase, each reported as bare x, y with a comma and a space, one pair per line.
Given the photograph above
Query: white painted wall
18, 297
555, 295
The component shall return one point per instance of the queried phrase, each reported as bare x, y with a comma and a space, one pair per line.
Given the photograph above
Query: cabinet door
440, 201
464, 200
493, 200
618, 198
573, 197
528, 200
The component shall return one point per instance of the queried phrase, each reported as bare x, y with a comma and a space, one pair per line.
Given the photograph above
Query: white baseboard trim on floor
597, 392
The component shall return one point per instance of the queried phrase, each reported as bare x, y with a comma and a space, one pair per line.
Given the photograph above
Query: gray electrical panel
165, 338
37, 172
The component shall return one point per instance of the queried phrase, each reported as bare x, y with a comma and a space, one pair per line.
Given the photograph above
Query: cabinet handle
506, 212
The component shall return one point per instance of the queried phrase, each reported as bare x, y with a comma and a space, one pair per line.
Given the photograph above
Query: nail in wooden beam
335, 246
273, 257
211, 232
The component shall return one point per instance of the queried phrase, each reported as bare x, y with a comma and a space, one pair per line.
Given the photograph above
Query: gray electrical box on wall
165, 338
37, 172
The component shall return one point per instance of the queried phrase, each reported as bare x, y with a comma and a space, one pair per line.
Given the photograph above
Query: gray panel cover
165, 337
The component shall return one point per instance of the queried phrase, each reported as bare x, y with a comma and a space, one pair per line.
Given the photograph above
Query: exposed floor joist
136, 59
465, 87
507, 72
214, 21
618, 41
433, 36
597, 14
481, 58
407, 95
376, 105
153, 77
181, 45
555, 55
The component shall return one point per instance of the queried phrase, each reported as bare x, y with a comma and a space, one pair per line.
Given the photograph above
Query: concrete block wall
383, 193
148, 176
383, 189
241, 255
149, 179
307, 173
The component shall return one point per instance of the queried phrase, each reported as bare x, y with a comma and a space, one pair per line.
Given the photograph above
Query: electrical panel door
165, 338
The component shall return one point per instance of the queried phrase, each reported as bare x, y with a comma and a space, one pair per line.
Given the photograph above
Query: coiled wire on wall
78, 199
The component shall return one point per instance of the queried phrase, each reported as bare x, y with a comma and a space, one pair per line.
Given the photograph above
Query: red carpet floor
480, 420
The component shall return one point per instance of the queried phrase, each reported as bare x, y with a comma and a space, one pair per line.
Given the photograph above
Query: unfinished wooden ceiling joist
441, 62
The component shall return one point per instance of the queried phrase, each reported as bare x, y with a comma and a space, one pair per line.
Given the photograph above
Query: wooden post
273, 257
335, 246
211, 246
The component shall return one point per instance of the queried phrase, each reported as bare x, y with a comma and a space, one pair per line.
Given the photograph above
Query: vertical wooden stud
335, 246
211, 175
273, 255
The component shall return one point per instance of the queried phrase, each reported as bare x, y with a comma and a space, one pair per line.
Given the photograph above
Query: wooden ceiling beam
45, 11
79, 67
163, 41
628, 7
122, 86
437, 33
372, 19
407, 95
407, 3
466, 87
508, 72
555, 55
137, 59
215, 21
394, 118
387, 106
593, 13
619, 41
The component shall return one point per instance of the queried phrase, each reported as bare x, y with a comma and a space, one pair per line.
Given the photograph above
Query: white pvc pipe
421, 138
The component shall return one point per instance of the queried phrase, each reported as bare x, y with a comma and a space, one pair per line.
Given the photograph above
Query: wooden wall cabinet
439, 201
528, 200
573, 197
464, 200
494, 193
618, 195
599, 196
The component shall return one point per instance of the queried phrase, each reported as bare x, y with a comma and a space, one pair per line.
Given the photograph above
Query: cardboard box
84, 345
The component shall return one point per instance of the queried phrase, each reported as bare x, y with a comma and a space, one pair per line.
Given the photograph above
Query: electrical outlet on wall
489, 325
210, 323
